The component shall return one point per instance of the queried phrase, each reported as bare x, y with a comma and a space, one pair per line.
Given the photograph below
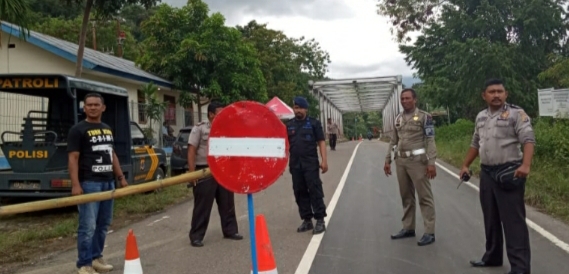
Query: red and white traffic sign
248, 147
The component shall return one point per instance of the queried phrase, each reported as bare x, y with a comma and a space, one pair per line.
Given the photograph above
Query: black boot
320, 227
403, 233
305, 226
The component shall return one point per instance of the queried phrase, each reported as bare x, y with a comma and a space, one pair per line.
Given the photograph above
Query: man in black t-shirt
93, 164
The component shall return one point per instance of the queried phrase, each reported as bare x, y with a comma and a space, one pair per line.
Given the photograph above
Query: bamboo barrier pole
101, 196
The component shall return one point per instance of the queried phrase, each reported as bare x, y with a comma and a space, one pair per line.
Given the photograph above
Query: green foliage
16, 12
361, 123
547, 186
474, 40
287, 63
106, 34
197, 51
154, 107
558, 74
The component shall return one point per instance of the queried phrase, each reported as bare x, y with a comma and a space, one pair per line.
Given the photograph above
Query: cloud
316, 9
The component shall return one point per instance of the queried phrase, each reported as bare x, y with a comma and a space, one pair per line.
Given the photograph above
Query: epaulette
200, 123
514, 106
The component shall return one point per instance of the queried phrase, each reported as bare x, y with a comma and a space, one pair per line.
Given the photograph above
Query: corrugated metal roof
92, 59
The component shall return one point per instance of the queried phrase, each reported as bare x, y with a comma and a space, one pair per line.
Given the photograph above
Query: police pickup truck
36, 115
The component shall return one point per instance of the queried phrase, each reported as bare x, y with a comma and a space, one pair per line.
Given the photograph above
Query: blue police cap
301, 102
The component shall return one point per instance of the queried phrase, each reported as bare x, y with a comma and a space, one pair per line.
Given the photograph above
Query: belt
406, 154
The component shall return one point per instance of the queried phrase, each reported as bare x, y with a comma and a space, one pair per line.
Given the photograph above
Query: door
141, 156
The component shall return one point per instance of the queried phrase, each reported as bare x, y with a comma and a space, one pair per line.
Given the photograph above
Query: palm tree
16, 12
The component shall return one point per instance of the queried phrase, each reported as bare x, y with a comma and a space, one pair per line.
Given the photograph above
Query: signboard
248, 147
553, 103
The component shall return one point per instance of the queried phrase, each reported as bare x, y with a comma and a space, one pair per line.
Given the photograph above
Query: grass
25, 236
547, 187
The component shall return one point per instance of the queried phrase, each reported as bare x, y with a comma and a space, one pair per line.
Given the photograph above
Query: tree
16, 12
287, 63
410, 15
103, 9
106, 34
475, 40
198, 53
558, 74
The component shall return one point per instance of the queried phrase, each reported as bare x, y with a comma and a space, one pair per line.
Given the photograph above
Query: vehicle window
184, 136
136, 133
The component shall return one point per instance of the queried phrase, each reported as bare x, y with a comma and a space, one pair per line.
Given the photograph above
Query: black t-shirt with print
94, 142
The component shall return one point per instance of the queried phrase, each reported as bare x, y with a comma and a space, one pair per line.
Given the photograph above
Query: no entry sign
248, 147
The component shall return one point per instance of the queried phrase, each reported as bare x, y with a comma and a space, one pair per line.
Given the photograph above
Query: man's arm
193, 144
319, 135
73, 152
526, 136
474, 147
73, 167
117, 167
429, 128
392, 142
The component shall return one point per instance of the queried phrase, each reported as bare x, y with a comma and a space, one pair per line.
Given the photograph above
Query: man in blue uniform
305, 134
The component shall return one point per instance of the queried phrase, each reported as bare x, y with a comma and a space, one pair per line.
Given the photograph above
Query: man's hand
324, 167
463, 170
431, 172
387, 169
76, 190
522, 171
124, 183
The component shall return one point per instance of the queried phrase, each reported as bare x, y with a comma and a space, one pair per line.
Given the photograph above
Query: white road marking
161, 219
248, 147
546, 234
312, 248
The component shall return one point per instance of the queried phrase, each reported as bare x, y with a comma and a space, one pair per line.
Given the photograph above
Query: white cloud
357, 38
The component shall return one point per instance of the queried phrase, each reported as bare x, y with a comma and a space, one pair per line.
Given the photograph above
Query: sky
356, 37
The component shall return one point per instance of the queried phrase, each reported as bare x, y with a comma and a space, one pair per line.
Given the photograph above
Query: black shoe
235, 236
320, 227
517, 272
305, 226
427, 239
403, 233
482, 264
197, 243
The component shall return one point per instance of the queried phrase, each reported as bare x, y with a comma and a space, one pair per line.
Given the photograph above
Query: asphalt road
357, 240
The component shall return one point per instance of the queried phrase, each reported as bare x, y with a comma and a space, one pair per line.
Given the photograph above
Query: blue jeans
94, 221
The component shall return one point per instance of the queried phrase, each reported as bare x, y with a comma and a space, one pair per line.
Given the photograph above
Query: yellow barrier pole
101, 196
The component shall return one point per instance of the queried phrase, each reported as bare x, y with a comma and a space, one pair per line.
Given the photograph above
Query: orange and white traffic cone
265, 258
132, 259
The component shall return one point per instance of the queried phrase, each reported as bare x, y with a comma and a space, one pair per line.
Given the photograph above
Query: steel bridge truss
337, 97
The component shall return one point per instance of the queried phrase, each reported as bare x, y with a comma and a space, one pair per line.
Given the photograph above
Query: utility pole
120, 38
93, 23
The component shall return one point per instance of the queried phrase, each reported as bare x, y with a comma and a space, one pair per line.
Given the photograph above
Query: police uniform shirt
333, 128
198, 138
414, 131
498, 136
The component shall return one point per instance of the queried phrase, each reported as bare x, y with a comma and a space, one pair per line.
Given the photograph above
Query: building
45, 54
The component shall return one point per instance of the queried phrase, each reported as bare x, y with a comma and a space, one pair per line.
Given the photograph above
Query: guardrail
101, 196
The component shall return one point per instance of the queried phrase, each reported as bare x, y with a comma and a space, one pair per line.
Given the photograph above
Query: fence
14, 108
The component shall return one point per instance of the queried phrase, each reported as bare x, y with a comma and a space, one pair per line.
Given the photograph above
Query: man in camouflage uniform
414, 135
499, 132
207, 190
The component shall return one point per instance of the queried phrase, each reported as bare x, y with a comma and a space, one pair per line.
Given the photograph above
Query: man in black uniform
500, 131
208, 190
304, 133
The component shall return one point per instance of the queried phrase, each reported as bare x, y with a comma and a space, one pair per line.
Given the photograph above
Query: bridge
336, 97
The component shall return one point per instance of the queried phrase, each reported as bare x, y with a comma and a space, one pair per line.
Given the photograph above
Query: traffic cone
265, 257
132, 259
